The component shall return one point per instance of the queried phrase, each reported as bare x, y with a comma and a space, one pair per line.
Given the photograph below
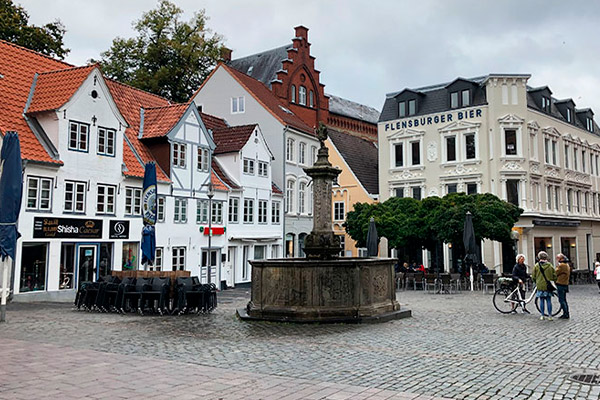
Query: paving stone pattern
455, 346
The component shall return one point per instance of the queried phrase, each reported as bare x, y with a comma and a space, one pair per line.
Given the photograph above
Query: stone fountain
323, 287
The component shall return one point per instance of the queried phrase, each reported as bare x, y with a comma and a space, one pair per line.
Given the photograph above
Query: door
210, 258
229, 268
86, 264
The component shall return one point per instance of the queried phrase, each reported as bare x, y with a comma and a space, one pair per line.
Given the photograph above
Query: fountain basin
309, 290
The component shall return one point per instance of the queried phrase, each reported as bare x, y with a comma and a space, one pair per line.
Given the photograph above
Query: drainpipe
284, 189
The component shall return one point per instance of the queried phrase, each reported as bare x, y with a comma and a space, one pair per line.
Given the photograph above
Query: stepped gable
361, 156
158, 121
18, 67
54, 89
232, 139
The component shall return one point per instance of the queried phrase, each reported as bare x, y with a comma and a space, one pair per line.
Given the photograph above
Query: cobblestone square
455, 346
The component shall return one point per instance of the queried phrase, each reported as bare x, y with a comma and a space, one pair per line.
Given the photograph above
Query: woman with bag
543, 275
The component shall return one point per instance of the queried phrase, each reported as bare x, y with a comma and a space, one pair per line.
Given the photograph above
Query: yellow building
358, 182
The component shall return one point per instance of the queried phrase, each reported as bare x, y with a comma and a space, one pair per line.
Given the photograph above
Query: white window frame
178, 258
133, 201
276, 212
311, 99
38, 195
302, 153
302, 186
217, 212
201, 211
180, 210
339, 211
263, 169
233, 210
82, 139
263, 211
302, 95
159, 254
78, 188
160, 208
293, 93
313, 152
238, 105
248, 167
106, 141
289, 154
248, 211
203, 158
290, 189
179, 155
106, 200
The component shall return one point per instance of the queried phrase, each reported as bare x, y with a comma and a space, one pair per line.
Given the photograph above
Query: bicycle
508, 297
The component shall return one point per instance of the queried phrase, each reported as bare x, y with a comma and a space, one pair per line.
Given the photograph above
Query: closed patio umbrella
11, 189
470, 243
149, 214
372, 239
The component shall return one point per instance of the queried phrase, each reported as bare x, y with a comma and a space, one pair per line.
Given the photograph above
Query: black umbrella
11, 189
470, 244
372, 239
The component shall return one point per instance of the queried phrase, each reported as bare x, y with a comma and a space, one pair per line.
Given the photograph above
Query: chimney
302, 32
226, 54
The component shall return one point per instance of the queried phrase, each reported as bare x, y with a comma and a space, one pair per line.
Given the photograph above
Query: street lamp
210, 195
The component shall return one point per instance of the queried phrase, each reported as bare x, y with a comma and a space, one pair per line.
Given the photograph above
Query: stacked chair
155, 295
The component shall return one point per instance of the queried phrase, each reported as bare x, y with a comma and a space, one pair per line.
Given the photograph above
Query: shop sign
62, 228
213, 231
118, 229
434, 119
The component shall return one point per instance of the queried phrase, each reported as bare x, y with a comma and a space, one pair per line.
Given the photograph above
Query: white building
495, 134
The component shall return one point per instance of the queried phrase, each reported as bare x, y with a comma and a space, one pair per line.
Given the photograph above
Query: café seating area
147, 292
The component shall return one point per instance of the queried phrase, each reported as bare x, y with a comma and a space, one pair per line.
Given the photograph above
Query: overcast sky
365, 49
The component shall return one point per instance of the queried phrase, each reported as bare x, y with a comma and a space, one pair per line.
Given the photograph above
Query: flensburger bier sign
444, 118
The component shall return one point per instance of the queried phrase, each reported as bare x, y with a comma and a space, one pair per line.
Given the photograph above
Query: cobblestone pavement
455, 346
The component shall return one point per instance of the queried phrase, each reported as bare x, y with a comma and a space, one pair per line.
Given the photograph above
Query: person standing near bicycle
543, 272
519, 275
563, 272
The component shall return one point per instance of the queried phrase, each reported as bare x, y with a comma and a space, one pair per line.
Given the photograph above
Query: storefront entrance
86, 263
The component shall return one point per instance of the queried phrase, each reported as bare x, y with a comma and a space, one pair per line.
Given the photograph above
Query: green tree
168, 57
15, 28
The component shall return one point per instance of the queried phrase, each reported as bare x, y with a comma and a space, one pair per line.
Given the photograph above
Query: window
583, 161
248, 211
289, 193
160, 208
313, 152
512, 191
180, 210
202, 211
248, 166
217, 212
454, 100
262, 211
78, 136
342, 245
566, 156
301, 152
39, 193
234, 204
402, 109
554, 152
416, 192
471, 188
293, 93
596, 164
399, 155
289, 154
452, 188
262, 169
311, 99
237, 105
158, 260
547, 151
179, 150
105, 203
275, 212
339, 213
412, 107
466, 98
589, 124
546, 104
302, 198
549, 198
133, 201
400, 192
451, 148
575, 150
470, 146
302, 95
578, 200
569, 115
106, 141
203, 159
416, 153
178, 258
569, 199
556, 198
75, 196
510, 142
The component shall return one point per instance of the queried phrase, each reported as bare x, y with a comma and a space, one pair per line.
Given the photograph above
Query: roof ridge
136, 89
68, 69
167, 106
33, 51
262, 52
236, 126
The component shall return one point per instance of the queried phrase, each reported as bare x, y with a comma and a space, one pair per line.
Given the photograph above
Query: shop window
105, 259
178, 258
259, 252
66, 279
33, 267
543, 244
568, 246
130, 255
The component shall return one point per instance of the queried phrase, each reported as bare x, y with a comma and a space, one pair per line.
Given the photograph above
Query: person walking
543, 272
597, 273
563, 272
519, 275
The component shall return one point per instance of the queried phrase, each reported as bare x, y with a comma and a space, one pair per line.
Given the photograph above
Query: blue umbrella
11, 189
149, 214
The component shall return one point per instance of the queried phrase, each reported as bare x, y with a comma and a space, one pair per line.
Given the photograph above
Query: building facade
496, 134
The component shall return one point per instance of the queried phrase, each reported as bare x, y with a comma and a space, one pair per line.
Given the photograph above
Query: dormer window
412, 107
460, 99
546, 104
293, 94
403, 105
569, 115
402, 109
466, 98
589, 124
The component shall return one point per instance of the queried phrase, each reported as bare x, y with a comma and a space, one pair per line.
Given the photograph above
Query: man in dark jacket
563, 272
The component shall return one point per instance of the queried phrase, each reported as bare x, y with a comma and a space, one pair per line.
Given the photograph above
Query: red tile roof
223, 176
232, 139
211, 122
53, 89
18, 66
275, 188
158, 121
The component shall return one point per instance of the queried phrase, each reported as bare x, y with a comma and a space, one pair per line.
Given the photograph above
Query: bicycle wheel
556, 307
501, 301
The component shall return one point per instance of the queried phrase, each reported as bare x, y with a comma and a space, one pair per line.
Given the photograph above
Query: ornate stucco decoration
511, 120
433, 191
460, 170
432, 151
552, 172
512, 166
535, 168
